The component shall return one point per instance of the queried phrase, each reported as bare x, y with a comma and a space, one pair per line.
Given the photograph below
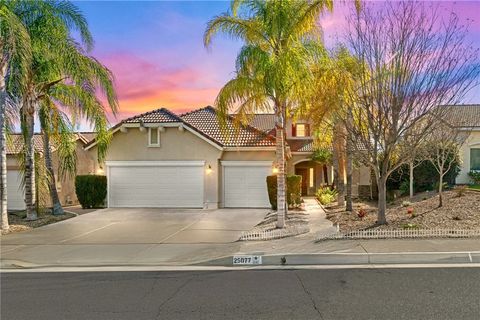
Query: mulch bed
457, 213
18, 223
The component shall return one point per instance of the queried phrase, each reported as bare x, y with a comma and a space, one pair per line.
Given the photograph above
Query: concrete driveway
132, 235
144, 225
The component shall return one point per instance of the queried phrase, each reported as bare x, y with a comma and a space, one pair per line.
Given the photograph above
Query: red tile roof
161, 115
205, 120
300, 145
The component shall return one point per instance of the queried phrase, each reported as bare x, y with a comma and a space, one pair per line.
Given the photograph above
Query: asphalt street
423, 293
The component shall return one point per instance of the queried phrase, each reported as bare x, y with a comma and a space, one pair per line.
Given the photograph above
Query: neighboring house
160, 159
467, 119
65, 185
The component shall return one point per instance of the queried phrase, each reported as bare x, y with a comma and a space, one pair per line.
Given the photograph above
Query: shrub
326, 195
405, 187
91, 190
406, 203
294, 190
475, 175
460, 191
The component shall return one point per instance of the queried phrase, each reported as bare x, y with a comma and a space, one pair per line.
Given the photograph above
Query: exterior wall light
100, 170
274, 169
209, 169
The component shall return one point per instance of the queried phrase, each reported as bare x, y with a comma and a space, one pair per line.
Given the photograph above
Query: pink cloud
143, 85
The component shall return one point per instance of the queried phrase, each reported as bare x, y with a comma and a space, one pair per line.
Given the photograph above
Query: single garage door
15, 193
245, 185
161, 184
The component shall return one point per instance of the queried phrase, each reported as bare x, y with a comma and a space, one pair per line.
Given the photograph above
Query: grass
474, 186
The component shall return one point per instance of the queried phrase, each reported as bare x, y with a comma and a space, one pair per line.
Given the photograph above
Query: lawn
475, 187
457, 213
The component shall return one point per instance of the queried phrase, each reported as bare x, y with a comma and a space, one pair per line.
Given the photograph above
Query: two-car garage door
156, 184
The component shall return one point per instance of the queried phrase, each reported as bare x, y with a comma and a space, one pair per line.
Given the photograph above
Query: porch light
274, 169
209, 169
100, 170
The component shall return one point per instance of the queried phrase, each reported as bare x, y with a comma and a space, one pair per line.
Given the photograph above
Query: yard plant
91, 190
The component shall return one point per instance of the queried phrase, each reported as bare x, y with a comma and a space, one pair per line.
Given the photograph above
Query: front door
304, 173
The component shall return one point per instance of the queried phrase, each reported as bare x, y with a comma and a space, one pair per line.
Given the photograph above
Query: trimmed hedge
294, 190
91, 190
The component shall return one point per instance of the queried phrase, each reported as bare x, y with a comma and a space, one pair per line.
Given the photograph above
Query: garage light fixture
274, 169
100, 170
209, 169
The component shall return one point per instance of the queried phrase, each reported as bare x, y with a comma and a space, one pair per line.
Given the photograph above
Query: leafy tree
61, 78
273, 69
15, 55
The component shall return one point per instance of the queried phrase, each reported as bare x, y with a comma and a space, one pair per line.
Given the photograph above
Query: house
467, 119
160, 159
65, 185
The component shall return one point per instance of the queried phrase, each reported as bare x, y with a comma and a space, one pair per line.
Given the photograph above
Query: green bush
91, 190
475, 175
326, 195
294, 190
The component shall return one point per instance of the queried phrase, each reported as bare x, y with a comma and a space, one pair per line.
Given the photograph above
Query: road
423, 293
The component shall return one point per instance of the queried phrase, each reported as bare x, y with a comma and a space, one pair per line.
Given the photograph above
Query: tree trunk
281, 183
29, 124
440, 189
3, 150
338, 166
411, 179
348, 154
56, 205
382, 200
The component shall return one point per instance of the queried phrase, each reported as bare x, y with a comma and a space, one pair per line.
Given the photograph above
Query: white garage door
245, 184
15, 191
156, 184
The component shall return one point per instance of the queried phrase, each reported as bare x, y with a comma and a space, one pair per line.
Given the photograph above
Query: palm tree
59, 69
14, 47
281, 40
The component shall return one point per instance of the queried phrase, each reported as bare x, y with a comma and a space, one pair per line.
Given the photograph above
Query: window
475, 159
300, 130
153, 137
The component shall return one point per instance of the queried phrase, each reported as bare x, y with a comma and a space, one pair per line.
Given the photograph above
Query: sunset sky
156, 52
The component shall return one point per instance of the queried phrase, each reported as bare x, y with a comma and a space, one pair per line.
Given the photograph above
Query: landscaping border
400, 234
289, 231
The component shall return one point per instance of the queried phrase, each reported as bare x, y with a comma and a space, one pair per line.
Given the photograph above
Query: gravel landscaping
296, 223
18, 222
421, 213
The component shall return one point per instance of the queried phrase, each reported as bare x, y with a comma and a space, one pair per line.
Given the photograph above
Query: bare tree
411, 62
443, 151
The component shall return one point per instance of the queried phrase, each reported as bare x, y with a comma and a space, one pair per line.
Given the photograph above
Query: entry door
304, 173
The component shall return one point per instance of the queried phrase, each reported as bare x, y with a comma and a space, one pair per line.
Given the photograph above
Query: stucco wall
175, 145
473, 141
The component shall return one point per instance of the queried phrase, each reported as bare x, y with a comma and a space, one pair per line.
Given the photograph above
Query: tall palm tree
281, 40
59, 63
15, 55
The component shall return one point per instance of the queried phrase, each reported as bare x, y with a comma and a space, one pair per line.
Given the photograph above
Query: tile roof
205, 120
156, 116
264, 122
89, 136
15, 143
301, 145
467, 115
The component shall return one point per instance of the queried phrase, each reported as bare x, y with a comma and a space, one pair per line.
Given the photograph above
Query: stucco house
161, 159
65, 185
467, 119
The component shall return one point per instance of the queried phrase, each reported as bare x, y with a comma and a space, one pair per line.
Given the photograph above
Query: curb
463, 257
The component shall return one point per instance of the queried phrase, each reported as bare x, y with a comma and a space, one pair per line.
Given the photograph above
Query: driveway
144, 225
131, 235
